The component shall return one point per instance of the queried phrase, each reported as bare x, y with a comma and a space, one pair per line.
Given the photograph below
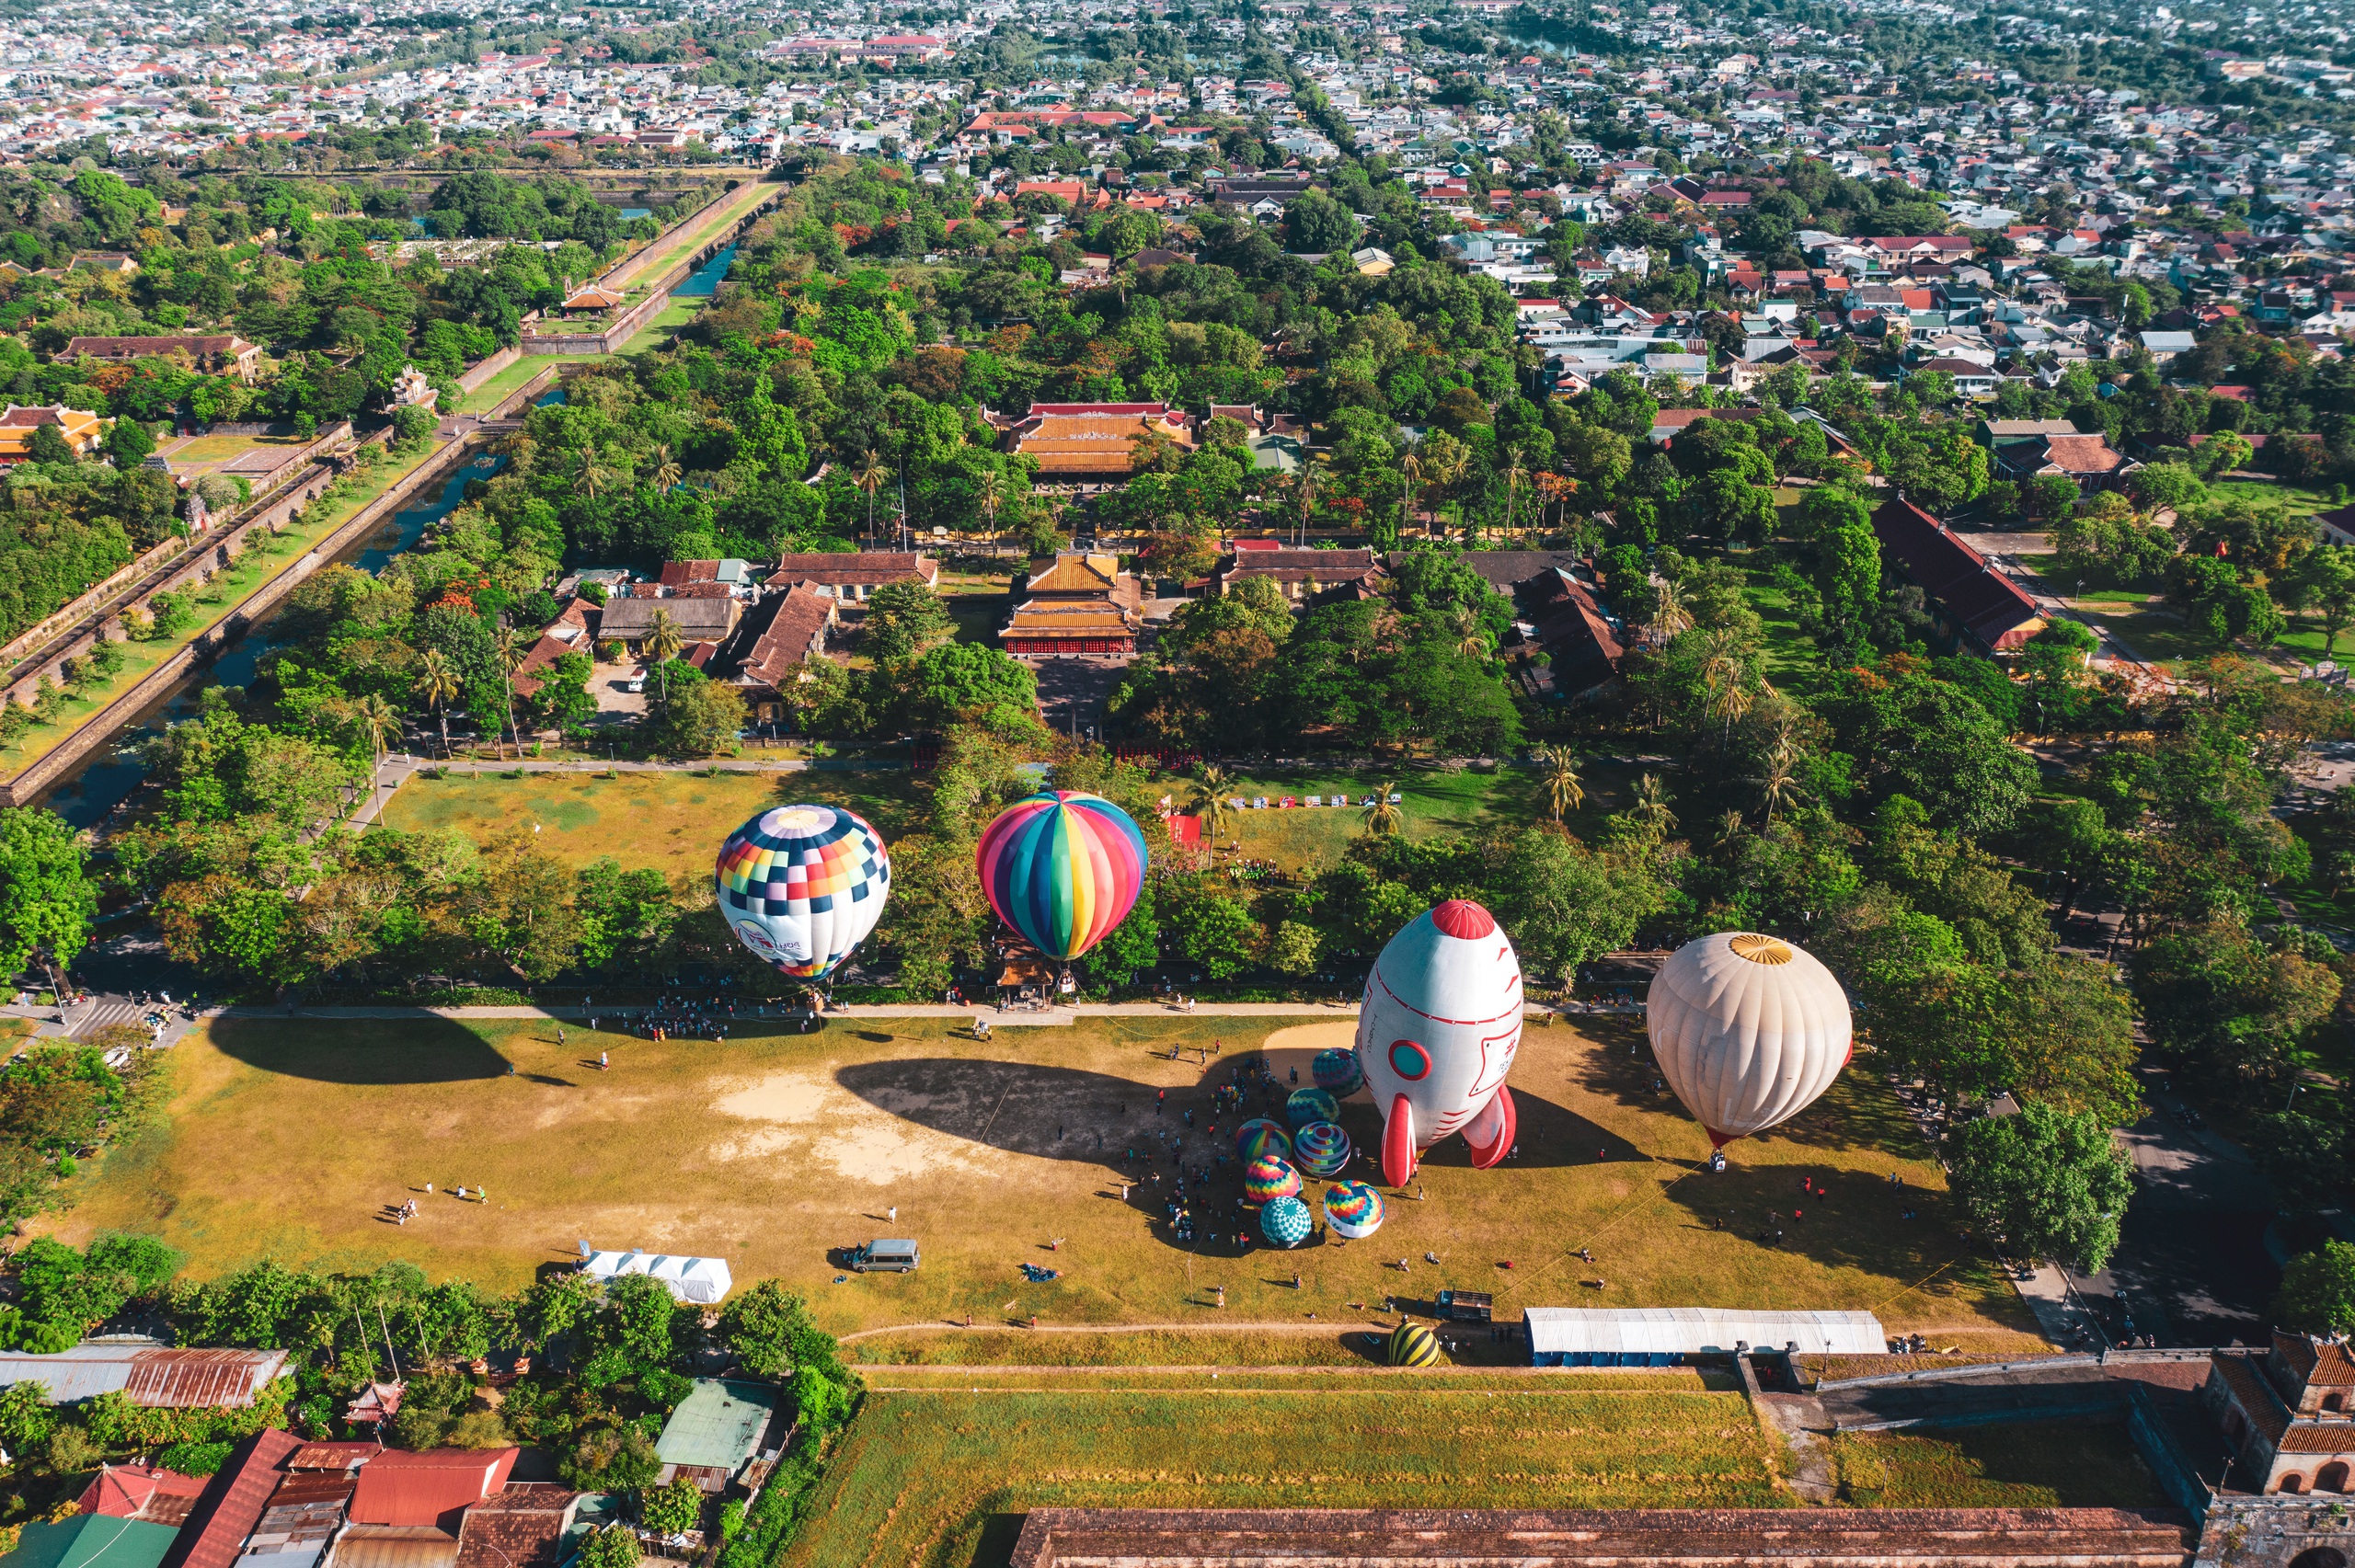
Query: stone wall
490, 365
2277, 1532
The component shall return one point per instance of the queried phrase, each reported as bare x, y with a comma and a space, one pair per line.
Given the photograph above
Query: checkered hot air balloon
1259, 1136
1354, 1210
1063, 868
1322, 1150
1268, 1178
803, 885
1337, 1072
1306, 1105
1286, 1222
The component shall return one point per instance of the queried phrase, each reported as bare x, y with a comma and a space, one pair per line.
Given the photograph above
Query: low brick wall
490, 365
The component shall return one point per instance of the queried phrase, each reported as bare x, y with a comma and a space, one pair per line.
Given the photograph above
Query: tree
663, 642
2325, 581
615, 1546
1217, 932
870, 477
1381, 813
376, 719
2048, 1182
770, 1332
47, 899
2317, 1294
1132, 945
673, 1509
1563, 792
1315, 224
50, 445
129, 444
702, 717
1847, 556
439, 683
903, 618
951, 681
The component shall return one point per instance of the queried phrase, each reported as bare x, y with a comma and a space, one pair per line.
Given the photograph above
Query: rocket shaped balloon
1436, 1037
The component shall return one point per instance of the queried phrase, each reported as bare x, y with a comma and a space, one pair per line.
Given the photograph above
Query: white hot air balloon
1437, 1033
1748, 1030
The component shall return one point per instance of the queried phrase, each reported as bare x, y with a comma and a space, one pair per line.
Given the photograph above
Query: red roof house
429, 1488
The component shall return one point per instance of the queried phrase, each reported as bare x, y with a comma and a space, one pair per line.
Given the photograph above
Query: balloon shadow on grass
422, 1047
1059, 1113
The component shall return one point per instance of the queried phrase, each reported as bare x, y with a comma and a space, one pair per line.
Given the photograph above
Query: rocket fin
1491, 1132
1398, 1142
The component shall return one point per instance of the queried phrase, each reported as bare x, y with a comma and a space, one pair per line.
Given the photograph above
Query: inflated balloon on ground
1337, 1072
1286, 1221
1354, 1210
1412, 1345
1063, 868
1322, 1150
1748, 1030
1268, 1178
801, 885
1437, 1033
1306, 1105
1259, 1136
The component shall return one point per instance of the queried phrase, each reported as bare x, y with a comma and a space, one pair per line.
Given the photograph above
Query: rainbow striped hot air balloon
1268, 1178
1303, 1106
802, 885
1286, 1222
1322, 1149
1354, 1210
1337, 1072
1063, 868
1259, 1136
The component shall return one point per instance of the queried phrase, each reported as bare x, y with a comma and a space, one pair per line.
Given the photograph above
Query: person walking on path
892, 1214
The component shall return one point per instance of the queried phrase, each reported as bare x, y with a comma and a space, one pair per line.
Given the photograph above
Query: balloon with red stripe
1063, 868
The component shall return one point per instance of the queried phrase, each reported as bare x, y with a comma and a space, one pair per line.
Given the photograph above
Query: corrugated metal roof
1692, 1330
396, 1546
92, 1540
148, 1375
233, 1504
718, 1424
397, 1488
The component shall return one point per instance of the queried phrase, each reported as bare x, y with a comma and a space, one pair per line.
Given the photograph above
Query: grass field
719, 216
289, 1138
2055, 1464
215, 600
671, 822
941, 1477
498, 388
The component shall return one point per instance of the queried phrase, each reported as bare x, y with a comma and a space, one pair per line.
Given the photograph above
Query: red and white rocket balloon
1436, 1035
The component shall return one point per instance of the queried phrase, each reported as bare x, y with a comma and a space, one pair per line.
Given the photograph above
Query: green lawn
215, 600
2295, 499
1435, 804
716, 219
2055, 1464
942, 1477
491, 394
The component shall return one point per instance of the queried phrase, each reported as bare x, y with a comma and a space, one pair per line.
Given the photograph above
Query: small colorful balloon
1306, 1105
1268, 1178
1259, 1136
1337, 1072
1354, 1210
1286, 1222
1322, 1150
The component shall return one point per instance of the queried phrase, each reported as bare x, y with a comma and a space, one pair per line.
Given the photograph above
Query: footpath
1012, 1018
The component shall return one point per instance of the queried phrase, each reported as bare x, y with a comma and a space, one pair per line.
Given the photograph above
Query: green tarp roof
718, 1426
93, 1540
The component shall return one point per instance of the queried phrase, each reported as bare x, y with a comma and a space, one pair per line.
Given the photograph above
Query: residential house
1976, 606
853, 575
221, 353
2088, 460
698, 619
716, 1431
797, 623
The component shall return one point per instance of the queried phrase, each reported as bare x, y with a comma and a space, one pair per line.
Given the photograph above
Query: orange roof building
83, 430
1093, 443
2289, 1415
1078, 605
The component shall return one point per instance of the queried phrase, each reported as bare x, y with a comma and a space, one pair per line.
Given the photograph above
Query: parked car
885, 1258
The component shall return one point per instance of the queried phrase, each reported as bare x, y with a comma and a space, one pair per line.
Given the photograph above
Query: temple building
2289, 1413
1076, 604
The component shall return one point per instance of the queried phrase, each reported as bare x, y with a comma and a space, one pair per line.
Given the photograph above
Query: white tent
1655, 1336
705, 1282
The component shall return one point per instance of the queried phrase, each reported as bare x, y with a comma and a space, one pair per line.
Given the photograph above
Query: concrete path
1013, 1019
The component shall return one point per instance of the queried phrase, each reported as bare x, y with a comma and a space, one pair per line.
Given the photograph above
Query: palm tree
1304, 486
662, 645
1651, 805
1729, 826
871, 477
592, 478
1780, 785
378, 721
989, 492
1411, 465
1669, 614
1564, 794
666, 472
509, 650
1471, 633
437, 683
1381, 813
1211, 804
1514, 474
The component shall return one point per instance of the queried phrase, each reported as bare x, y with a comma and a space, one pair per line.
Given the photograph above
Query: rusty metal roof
201, 1379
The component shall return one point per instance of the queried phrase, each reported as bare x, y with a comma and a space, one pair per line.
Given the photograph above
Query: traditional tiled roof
1974, 593
519, 1526
797, 630
863, 569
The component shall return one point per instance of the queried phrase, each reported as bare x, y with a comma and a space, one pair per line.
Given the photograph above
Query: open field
288, 1138
715, 220
252, 458
2051, 1464
942, 1477
227, 591
491, 394
670, 820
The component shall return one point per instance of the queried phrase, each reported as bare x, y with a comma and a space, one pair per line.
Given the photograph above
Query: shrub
196, 1458
673, 1509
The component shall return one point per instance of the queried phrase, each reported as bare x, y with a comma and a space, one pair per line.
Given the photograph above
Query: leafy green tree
615, 1546
1847, 557
2317, 1294
702, 717
769, 1331
1132, 945
2048, 1182
129, 444
673, 1509
1316, 225
902, 620
47, 898
1217, 932
951, 681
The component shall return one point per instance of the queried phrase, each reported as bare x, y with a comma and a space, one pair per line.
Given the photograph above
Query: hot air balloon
1412, 1345
1354, 1210
1303, 1106
1286, 1221
1259, 1136
1337, 1072
1063, 868
1436, 1034
1322, 1150
1748, 1030
1268, 1178
803, 885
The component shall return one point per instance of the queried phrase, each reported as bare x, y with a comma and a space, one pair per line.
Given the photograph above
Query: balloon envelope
1286, 1221
803, 885
1412, 1345
1337, 1072
1268, 1178
1259, 1136
1063, 868
1747, 1029
1303, 1106
1322, 1150
1354, 1210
